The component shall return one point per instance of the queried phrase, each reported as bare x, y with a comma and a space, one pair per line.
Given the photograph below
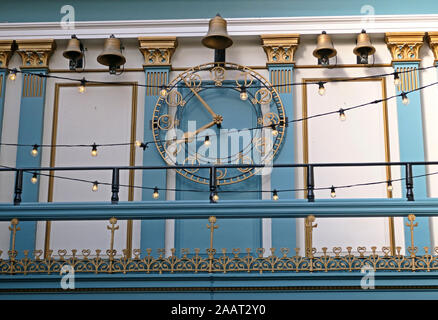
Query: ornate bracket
280, 48
7, 47
404, 46
432, 38
157, 51
35, 53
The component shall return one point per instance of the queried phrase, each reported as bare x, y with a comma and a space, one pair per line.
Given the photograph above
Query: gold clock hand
189, 135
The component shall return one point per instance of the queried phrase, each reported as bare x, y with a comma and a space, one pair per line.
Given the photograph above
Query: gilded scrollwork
404, 46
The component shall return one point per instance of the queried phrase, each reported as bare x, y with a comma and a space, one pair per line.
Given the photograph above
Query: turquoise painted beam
297, 208
152, 232
30, 131
411, 142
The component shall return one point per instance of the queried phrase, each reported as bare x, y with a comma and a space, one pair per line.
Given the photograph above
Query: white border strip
236, 26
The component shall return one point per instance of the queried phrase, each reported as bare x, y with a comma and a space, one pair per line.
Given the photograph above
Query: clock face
221, 114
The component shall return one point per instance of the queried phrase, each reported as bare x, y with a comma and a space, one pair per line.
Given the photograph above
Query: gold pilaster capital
6, 50
157, 51
280, 48
404, 46
432, 38
35, 53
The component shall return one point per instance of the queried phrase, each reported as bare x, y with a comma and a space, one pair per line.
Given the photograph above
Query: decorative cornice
35, 53
404, 46
432, 38
236, 26
157, 51
6, 50
280, 48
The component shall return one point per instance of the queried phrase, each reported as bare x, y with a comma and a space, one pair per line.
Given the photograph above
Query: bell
74, 49
364, 48
324, 48
112, 53
217, 36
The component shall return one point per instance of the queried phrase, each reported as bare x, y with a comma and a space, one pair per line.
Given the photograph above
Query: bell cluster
111, 55
326, 50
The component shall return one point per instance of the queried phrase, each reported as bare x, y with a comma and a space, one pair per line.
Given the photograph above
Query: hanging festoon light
332, 192
163, 91
275, 195
156, 194
12, 74
405, 99
274, 129
34, 151
363, 48
342, 116
94, 150
243, 93
95, 186
396, 78
321, 89
34, 178
207, 141
389, 186
324, 49
215, 197
81, 87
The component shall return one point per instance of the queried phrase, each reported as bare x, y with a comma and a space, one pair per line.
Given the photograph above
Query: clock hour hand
190, 135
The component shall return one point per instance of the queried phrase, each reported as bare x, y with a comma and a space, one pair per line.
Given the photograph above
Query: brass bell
324, 48
74, 49
112, 54
363, 48
217, 36
74, 52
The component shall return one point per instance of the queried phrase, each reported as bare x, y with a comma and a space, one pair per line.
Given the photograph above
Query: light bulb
342, 116
94, 150
138, 143
95, 186
389, 186
34, 178
13, 75
81, 89
275, 195
396, 79
34, 151
243, 94
405, 99
321, 89
215, 197
274, 130
155, 195
207, 141
163, 92
333, 192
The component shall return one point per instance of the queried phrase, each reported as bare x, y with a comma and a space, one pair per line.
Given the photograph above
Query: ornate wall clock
209, 101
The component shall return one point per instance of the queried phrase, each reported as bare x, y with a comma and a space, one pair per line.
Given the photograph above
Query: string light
405, 99
215, 197
95, 186
396, 79
275, 195
34, 151
34, 178
81, 88
13, 74
274, 130
94, 150
321, 89
155, 195
138, 143
163, 92
243, 93
207, 141
342, 116
332, 192
389, 186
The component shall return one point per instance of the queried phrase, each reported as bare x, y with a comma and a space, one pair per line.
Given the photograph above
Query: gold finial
412, 249
309, 235
211, 251
14, 229
112, 228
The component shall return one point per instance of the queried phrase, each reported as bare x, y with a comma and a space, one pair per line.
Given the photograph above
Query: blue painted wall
49, 10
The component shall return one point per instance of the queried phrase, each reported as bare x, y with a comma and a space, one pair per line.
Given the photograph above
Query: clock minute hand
209, 109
